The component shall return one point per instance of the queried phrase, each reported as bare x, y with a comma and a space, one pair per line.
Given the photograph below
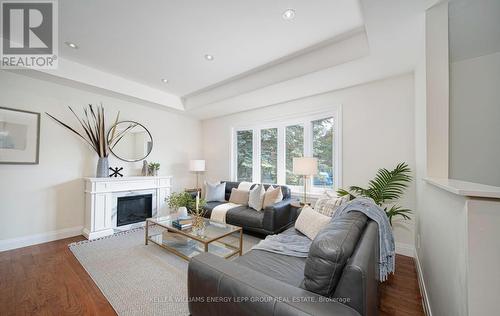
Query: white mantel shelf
465, 188
111, 179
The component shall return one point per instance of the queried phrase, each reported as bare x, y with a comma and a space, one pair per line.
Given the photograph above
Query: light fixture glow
288, 14
71, 45
209, 57
164, 80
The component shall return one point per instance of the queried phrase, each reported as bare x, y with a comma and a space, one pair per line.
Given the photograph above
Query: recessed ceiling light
288, 15
209, 57
164, 80
72, 45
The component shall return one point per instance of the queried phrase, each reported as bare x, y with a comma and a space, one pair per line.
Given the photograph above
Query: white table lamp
197, 166
305, 167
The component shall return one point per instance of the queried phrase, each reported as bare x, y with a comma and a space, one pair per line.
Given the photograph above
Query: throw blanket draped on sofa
286, 243
386, 239
219, 212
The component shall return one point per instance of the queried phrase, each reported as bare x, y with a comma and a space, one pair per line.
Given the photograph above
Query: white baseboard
13, 243
423, 289
405, 249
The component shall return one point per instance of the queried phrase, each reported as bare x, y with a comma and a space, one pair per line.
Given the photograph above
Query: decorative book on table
183, 223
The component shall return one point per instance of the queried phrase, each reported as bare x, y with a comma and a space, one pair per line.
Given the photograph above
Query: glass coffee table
189, 242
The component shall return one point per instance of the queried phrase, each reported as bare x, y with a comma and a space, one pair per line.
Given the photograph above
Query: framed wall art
19, 136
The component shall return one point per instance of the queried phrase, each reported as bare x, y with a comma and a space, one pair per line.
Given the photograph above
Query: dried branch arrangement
94, 130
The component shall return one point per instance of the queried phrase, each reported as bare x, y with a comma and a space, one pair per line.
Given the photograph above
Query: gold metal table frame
212, 242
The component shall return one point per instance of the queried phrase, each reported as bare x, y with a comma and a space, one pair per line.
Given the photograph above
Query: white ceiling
145, 41
126, 47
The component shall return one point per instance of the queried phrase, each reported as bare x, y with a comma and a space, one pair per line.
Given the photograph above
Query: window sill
310, 195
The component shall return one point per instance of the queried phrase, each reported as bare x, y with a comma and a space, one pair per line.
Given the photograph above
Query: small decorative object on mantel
144, 171
115, 172
19, 137
153, 168
92, 123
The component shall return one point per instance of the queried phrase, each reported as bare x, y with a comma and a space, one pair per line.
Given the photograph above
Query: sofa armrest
278, 216
221, 287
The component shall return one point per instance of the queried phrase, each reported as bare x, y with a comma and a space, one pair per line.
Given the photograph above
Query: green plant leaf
387, 186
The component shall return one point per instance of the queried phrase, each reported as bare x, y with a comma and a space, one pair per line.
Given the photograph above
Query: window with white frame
263, 153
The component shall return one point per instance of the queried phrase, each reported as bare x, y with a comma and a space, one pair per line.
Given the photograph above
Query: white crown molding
335, 51
13, 243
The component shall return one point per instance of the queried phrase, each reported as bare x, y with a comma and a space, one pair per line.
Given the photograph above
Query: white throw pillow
280, 193
311, 222
244, 185
272, 195
327, 205
256, 197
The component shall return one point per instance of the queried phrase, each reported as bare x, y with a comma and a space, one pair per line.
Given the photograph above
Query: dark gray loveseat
271, 220
339, 277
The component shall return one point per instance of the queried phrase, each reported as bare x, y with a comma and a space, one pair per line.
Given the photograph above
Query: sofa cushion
280, 267
330, 251
245, 217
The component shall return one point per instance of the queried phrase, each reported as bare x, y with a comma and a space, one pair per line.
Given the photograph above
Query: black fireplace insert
134, 209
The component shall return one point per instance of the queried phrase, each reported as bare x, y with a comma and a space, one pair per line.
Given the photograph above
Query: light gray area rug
137, 279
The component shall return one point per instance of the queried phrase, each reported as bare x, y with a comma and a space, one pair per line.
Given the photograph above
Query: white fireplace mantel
101, 196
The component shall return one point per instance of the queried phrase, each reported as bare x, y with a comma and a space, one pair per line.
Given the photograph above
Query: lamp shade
197, 165
305, 166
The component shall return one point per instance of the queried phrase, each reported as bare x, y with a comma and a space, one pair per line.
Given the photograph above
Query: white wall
475, 119
48, 197
377, 132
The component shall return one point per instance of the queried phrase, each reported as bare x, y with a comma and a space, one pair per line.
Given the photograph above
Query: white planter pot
182, 211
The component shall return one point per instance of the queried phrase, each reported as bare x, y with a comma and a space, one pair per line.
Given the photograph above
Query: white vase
182, 211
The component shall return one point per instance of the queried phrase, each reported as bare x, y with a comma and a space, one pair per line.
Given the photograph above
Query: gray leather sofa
339, 277
271, 220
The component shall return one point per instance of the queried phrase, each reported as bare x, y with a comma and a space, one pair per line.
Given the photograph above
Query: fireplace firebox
134, 209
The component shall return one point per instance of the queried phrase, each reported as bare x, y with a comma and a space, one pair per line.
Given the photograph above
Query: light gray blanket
386, 238
287, 243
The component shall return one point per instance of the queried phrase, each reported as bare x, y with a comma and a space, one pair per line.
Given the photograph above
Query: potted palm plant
385, 189
94, 134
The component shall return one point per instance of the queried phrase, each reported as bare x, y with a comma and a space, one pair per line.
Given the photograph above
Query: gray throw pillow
215, 192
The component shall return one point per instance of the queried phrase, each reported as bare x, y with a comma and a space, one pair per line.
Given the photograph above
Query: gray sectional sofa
339, 276
271, 220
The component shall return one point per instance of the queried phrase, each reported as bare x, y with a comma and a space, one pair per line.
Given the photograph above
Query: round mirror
130, 141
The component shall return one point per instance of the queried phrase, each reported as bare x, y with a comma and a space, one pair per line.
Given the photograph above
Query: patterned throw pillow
215, 192
256, 197
327, 205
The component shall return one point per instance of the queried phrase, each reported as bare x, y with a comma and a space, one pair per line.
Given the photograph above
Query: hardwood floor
47, 279
400, 294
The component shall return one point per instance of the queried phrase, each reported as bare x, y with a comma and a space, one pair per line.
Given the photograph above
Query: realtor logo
29, 34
